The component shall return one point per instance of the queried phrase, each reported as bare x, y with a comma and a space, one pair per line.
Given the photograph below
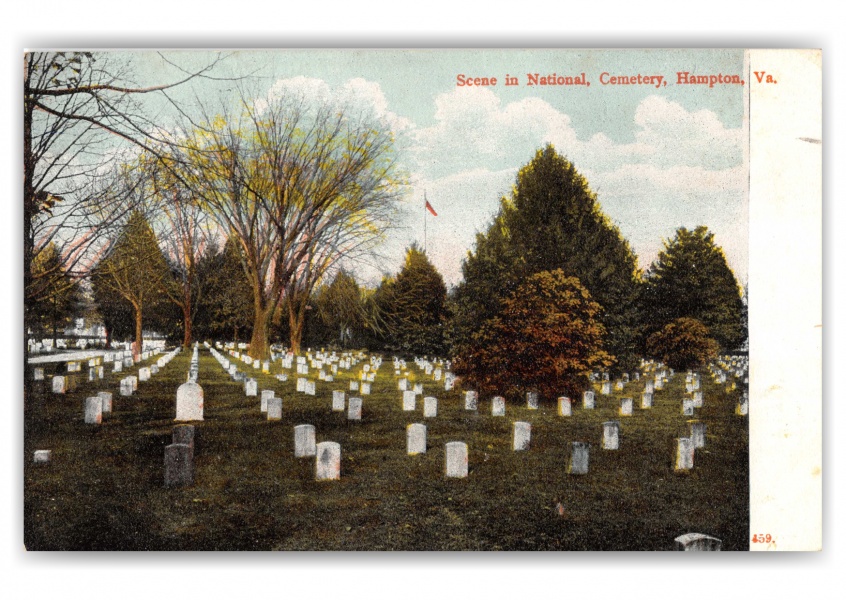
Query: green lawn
104, 487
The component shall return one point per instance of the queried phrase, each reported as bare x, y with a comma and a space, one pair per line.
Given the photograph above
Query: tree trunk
259, 346
186, 321
295, 322
139, 336
108, 338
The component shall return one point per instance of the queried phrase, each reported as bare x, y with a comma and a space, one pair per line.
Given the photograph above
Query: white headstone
456, 459
339, 399
189, 402
274, 409
416, 438
698, 542
311, 388
606, 388
38, 374
304, 441
409, 400
697, 433
365, 388
126, 387
579, 457
265, 396
328, 461
498, 406
626, 406
532, 400
687, 407
94, 410
611, 435
251, 387
684, 454
41, 457
471, 400
353, 385
60, 384
646, 400
698, 400
106, 398
354, 409
430, 407
588, 400
522, 435
144, 374
565, 407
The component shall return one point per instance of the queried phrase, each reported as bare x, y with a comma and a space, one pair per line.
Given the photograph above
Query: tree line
237, 224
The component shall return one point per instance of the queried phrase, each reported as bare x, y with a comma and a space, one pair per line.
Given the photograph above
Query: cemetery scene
278, 315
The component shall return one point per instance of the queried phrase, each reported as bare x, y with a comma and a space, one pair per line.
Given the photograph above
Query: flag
430, 209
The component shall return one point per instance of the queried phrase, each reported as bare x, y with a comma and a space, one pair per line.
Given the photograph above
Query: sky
658, 156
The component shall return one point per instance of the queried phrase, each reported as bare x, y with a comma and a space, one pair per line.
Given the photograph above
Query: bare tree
299, 186
77, 105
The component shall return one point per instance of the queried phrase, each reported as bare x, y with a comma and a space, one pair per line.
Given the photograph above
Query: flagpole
425, 246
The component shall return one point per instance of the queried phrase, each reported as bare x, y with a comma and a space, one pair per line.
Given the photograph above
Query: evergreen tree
55, 295
340, 313
136, 270
114, 310
691, 278
412, 307
552, 221
226, 309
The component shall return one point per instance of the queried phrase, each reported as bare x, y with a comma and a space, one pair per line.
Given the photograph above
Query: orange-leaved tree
547, 338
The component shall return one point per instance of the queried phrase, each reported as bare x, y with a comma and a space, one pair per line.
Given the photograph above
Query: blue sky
658, 158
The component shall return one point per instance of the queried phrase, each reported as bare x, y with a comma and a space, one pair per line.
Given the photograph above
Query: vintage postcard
477, 299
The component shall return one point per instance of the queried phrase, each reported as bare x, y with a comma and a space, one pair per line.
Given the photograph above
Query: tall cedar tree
114, 310
552, 221
412, 307
341, 313
55, 296
136, 270
547, 337
226, 307
691, 278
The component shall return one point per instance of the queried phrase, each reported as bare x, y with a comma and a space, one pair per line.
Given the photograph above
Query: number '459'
762, 538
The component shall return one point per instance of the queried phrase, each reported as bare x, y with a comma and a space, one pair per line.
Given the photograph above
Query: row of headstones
129, 384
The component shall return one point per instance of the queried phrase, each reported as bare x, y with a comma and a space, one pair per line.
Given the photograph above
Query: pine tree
691, 278
226, 307
412, 307
136, 269
552, 221
55, 296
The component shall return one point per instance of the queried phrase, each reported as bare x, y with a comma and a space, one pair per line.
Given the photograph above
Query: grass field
104, 488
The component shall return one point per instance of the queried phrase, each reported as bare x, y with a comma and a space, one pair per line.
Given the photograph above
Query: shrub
547, 337
683, 344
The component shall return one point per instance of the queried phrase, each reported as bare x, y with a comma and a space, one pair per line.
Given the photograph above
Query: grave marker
532, 400
611, 435
522, 435
626, 405
579, 458
354, 409
409, 400
305, 443
684, 454
565, 408
456, 464
430, 407
339, 399
328, 461
416, 438
471, 400
179, 465
189, 402
274, 409
698, 542
94, 410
